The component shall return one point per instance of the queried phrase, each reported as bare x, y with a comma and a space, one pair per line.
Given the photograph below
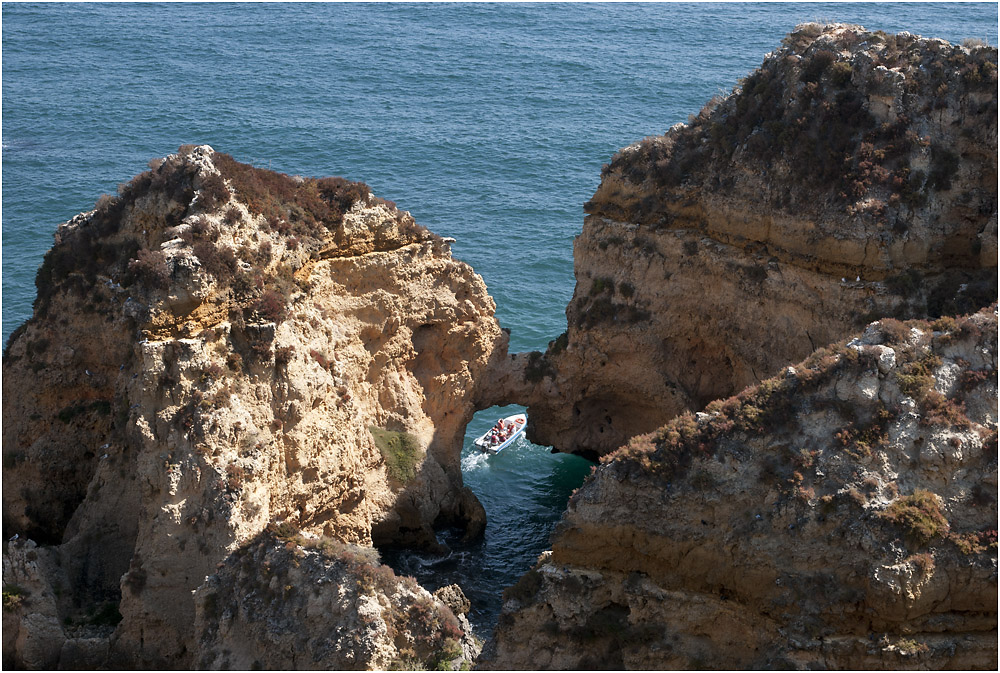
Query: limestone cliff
852, 176
217, 349
840, 515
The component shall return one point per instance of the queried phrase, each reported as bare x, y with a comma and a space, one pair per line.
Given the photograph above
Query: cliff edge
838, 513
852, 176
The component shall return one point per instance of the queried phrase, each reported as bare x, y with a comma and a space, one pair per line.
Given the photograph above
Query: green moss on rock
401, 452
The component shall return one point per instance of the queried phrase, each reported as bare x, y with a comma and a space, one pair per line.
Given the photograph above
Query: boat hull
520, 422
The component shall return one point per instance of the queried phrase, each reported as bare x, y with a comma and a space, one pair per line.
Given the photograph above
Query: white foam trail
474, 461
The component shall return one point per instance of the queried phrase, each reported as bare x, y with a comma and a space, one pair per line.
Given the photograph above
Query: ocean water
488, 122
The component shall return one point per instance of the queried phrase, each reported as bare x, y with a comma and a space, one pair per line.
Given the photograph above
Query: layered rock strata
852, 176
217, 349
841, 515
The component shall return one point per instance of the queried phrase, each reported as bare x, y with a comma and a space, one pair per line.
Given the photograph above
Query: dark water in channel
489, 123
524, 489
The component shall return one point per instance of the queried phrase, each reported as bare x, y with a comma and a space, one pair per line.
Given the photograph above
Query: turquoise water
524, 489
489, 123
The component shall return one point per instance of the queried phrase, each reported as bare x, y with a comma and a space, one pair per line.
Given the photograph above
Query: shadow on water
524, 489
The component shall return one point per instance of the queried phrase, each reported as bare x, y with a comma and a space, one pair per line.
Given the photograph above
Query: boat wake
474, 461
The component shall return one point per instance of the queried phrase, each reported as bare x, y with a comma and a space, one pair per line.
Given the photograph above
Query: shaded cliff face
852, 176
314, 603
841, 515
222, 347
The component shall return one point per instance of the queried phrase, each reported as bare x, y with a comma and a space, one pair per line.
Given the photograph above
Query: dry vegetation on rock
258, 611
836, 113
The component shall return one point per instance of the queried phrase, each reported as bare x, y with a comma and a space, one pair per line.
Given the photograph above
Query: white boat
495, 443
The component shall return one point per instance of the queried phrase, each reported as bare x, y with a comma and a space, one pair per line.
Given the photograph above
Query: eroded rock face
841, 515
852, 176
217, 349
31, 624
308, 603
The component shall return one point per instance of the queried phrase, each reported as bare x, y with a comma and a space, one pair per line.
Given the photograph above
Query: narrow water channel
524, 490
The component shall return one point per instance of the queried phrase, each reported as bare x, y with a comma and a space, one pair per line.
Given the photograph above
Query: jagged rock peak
201, 225
871, 138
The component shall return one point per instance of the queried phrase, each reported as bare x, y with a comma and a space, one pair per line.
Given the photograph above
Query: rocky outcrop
852, 176
314, 603
840, 515
217, 349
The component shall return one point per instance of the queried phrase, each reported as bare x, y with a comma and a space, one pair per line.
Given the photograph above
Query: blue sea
488, 122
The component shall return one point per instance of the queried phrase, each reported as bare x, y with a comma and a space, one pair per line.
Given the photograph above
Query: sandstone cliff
852, 176
840, 515
217, 349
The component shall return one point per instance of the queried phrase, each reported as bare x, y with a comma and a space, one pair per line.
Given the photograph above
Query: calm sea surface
489, 123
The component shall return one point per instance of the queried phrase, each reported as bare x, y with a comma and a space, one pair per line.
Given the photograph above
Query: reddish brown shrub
894, 331
235, 474
214, 193
923, 562
232, 216
940, 410
235, 362
270, 306
281, 198
920, 514
150, 267
975, 542
971, 378
212, 371
220, 262
283, 355
247, 283
201, 229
